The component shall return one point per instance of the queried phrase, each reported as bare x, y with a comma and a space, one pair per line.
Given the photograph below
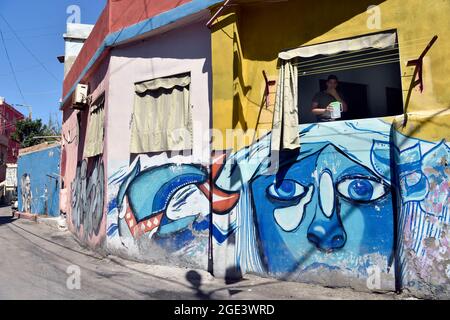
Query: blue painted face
322, 209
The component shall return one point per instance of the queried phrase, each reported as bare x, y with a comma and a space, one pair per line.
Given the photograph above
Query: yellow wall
249, 37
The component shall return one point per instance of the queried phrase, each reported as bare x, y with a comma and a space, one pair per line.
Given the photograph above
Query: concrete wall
38, 181
178, 233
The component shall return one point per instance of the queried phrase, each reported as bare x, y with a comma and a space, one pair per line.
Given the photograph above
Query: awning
166, 83
377, 41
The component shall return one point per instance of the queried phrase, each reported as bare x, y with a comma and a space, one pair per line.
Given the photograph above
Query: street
37, 262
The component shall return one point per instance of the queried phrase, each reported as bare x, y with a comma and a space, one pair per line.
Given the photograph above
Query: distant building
9, 149
38, 179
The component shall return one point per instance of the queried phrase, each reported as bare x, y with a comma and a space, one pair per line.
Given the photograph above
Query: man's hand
329, 108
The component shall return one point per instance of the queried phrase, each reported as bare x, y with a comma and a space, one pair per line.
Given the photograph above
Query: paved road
34, 260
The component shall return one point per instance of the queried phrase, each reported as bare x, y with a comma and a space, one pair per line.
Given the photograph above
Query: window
95, 133
359, 77
162, 115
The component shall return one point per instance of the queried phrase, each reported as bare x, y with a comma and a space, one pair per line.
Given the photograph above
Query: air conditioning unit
80, 96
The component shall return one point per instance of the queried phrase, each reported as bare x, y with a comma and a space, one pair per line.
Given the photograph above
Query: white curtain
285, 133
95, 131
162, 119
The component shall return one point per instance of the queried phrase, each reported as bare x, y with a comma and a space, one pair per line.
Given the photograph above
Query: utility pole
30, 108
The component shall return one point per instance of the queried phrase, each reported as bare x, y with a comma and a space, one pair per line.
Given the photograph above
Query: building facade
199, 146
9, 149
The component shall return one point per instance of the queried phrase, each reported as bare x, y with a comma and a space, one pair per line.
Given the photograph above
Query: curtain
95, 131
285, 133
162, 119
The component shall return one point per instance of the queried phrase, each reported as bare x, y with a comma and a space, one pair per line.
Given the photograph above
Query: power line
29, 51
12, 68
38, 35
22, 70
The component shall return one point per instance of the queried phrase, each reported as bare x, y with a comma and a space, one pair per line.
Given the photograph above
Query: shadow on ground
7, 219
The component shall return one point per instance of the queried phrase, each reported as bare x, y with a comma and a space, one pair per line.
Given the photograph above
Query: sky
40, 26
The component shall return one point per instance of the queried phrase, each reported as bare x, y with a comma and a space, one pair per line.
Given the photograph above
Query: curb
27, 216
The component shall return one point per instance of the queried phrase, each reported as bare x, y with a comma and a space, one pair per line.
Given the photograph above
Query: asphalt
41, 262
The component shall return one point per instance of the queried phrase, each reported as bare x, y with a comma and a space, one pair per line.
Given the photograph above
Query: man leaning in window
321, 104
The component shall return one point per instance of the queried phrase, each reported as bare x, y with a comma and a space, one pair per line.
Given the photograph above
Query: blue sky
40, 25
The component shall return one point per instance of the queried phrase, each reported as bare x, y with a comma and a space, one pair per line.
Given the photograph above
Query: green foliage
28, 129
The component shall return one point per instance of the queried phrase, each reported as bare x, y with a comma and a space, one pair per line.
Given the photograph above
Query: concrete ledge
24, 215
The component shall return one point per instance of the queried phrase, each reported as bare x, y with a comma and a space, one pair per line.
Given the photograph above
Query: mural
87, 197
169, 204
38, 172
25, 187
328, 207
424, 251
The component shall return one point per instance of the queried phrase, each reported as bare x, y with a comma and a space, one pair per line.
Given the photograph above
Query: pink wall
185, 49
72, 151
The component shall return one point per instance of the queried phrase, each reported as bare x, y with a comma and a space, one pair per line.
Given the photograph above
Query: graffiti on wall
26, 194
169, 204
424, 184
87, 197
329, 207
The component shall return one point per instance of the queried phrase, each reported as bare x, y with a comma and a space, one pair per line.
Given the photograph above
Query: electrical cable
12, 68
29, 51
20, 70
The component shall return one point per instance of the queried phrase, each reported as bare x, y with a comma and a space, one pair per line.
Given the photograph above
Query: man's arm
319, 111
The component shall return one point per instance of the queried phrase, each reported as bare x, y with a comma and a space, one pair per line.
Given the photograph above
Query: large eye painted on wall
362, 189
288, 190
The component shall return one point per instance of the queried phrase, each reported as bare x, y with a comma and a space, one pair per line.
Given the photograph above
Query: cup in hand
337, 110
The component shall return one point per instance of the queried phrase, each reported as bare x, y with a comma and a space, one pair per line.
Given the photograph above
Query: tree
27, 130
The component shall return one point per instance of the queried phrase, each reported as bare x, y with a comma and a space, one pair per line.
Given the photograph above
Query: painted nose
326, 231
327, 235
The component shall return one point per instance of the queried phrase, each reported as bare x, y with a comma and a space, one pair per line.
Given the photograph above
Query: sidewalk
167, 282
